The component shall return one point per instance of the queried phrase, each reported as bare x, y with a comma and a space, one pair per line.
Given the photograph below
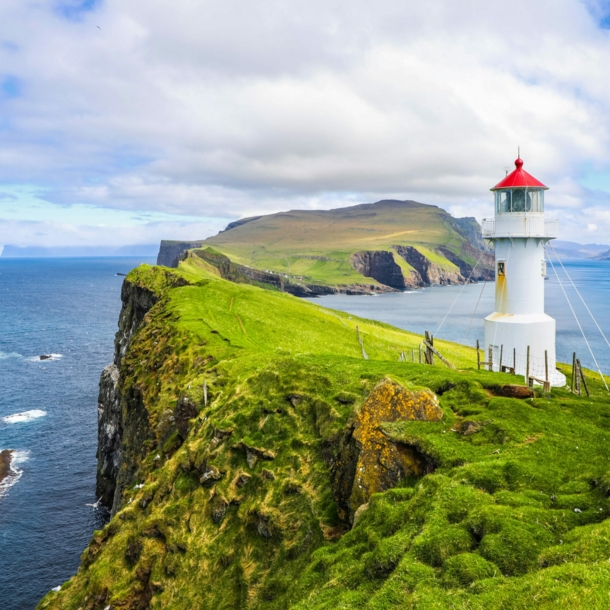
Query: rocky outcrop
469, 228
137, 302
6, 457
368, 461
239, 223
431, 273
381, 266
170, 251
246, 275
122, 418
108, 435
484, 271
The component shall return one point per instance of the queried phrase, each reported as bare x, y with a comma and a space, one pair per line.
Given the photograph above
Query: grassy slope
278, 242
494, 527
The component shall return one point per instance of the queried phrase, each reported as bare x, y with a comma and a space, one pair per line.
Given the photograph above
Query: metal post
514, 360
527, 367
578, 375
490, 358
546, 366
478, 356
501, 350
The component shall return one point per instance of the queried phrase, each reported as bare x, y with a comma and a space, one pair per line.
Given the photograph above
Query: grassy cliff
325, 473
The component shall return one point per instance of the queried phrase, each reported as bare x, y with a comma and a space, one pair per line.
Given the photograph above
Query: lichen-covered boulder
369, 462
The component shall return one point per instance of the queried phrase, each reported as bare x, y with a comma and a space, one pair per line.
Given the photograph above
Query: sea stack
519, 333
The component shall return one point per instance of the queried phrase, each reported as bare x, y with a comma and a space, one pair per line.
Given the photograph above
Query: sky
130, 121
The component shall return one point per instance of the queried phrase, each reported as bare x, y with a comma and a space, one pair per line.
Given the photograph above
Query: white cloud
240, 108
48, 233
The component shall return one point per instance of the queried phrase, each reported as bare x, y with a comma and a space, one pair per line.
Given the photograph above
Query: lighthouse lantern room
519, 334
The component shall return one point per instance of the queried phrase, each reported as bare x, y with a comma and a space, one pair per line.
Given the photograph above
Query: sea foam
25, 416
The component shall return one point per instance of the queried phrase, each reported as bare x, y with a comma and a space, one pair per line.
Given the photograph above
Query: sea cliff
252, 457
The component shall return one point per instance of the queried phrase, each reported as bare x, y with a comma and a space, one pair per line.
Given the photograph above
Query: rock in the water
45, 357
5, 463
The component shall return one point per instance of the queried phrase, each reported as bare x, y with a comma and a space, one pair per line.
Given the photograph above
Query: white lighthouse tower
519, 332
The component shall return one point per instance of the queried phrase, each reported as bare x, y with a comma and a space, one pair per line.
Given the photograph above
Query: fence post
490, 358
527, 368
584, 381
478, 356
573, 370
578, 374
420, 353
501, 350
412, 355
514, 360
429, 353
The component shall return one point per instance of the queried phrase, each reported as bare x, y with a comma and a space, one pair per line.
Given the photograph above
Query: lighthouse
519, 334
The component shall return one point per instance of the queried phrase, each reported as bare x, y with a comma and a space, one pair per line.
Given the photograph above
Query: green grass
515, 514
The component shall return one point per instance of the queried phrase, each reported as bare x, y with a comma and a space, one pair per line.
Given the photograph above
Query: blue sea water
70, 307
66, 307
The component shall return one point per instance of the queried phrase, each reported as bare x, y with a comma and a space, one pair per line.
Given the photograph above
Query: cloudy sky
128, 121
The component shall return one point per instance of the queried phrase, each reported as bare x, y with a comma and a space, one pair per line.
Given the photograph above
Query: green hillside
320, 246
325, 473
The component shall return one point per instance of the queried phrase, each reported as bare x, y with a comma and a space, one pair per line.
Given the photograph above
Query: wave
25, 416
14, 474
7, 355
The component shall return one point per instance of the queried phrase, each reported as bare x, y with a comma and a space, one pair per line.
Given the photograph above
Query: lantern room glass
519, 200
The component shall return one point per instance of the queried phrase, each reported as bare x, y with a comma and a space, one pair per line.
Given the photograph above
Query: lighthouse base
509, 336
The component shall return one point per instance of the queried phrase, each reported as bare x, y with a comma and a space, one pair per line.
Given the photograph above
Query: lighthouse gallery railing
520, 226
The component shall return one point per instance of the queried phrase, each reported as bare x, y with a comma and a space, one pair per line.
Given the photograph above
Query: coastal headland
259, 451
363, 249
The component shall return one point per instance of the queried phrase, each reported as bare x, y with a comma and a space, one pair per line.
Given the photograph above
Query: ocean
48, 409
48, 413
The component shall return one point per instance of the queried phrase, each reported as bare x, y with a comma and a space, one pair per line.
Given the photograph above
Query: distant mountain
74, 251
368, 247
603, 257
571, 249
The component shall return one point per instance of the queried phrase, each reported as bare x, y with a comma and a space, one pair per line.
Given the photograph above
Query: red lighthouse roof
519, 178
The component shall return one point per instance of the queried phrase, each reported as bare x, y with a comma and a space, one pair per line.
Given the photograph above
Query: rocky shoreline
6, 457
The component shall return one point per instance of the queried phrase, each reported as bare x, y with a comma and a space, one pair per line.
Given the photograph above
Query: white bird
96, 504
